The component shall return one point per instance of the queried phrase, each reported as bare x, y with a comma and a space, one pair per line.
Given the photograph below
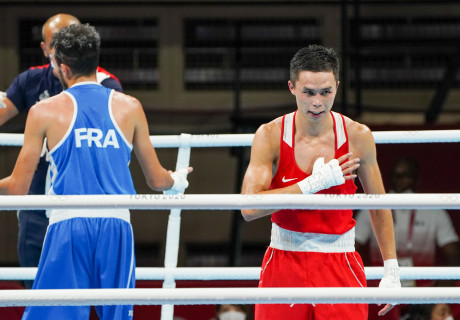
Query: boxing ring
169, 296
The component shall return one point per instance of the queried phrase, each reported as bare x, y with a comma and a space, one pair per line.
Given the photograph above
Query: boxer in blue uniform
90, 131
29, 87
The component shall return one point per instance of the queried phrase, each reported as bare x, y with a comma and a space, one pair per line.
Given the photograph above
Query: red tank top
288, 173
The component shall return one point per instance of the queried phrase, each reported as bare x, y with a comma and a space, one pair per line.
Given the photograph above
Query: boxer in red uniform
315, 150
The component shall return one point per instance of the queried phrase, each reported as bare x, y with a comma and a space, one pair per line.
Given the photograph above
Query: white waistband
57, 215
312, 242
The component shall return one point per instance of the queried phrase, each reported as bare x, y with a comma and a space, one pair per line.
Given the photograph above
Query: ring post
173, 232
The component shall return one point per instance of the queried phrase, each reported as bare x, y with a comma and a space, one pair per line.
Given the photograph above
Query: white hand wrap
323, 177
2, 96
180, 182
390, 274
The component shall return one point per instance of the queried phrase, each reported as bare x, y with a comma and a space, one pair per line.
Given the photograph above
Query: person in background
31, 86
439, 311
417, 232
233, 312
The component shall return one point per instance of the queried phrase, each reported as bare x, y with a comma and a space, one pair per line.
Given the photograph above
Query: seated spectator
417, 232
440, 311
233, 312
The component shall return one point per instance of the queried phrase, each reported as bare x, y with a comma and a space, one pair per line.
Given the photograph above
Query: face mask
232, 315
449, 318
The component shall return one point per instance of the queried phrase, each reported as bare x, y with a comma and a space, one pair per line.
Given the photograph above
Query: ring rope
242, 140
243, 273
193, 296
445, 201
235, 201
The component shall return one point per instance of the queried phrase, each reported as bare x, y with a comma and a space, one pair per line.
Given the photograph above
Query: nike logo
287, 180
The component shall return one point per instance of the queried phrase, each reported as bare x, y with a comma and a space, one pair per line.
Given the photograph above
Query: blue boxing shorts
86, 249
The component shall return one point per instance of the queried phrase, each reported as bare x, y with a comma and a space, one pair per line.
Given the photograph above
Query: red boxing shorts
282, 268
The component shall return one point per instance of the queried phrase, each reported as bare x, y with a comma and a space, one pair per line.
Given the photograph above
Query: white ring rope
235, 201
244, 140
244, 273
227, 202
193, 296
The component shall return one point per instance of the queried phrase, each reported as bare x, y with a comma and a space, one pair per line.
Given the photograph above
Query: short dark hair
314, 58
77, 46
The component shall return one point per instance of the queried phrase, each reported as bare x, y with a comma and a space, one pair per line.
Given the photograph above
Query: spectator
417, 232
440, 311
233, 312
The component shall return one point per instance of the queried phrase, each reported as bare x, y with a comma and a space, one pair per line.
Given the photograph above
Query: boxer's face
315, 93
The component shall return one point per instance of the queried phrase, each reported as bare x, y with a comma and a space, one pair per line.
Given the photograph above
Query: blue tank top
39, 83
93, 157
